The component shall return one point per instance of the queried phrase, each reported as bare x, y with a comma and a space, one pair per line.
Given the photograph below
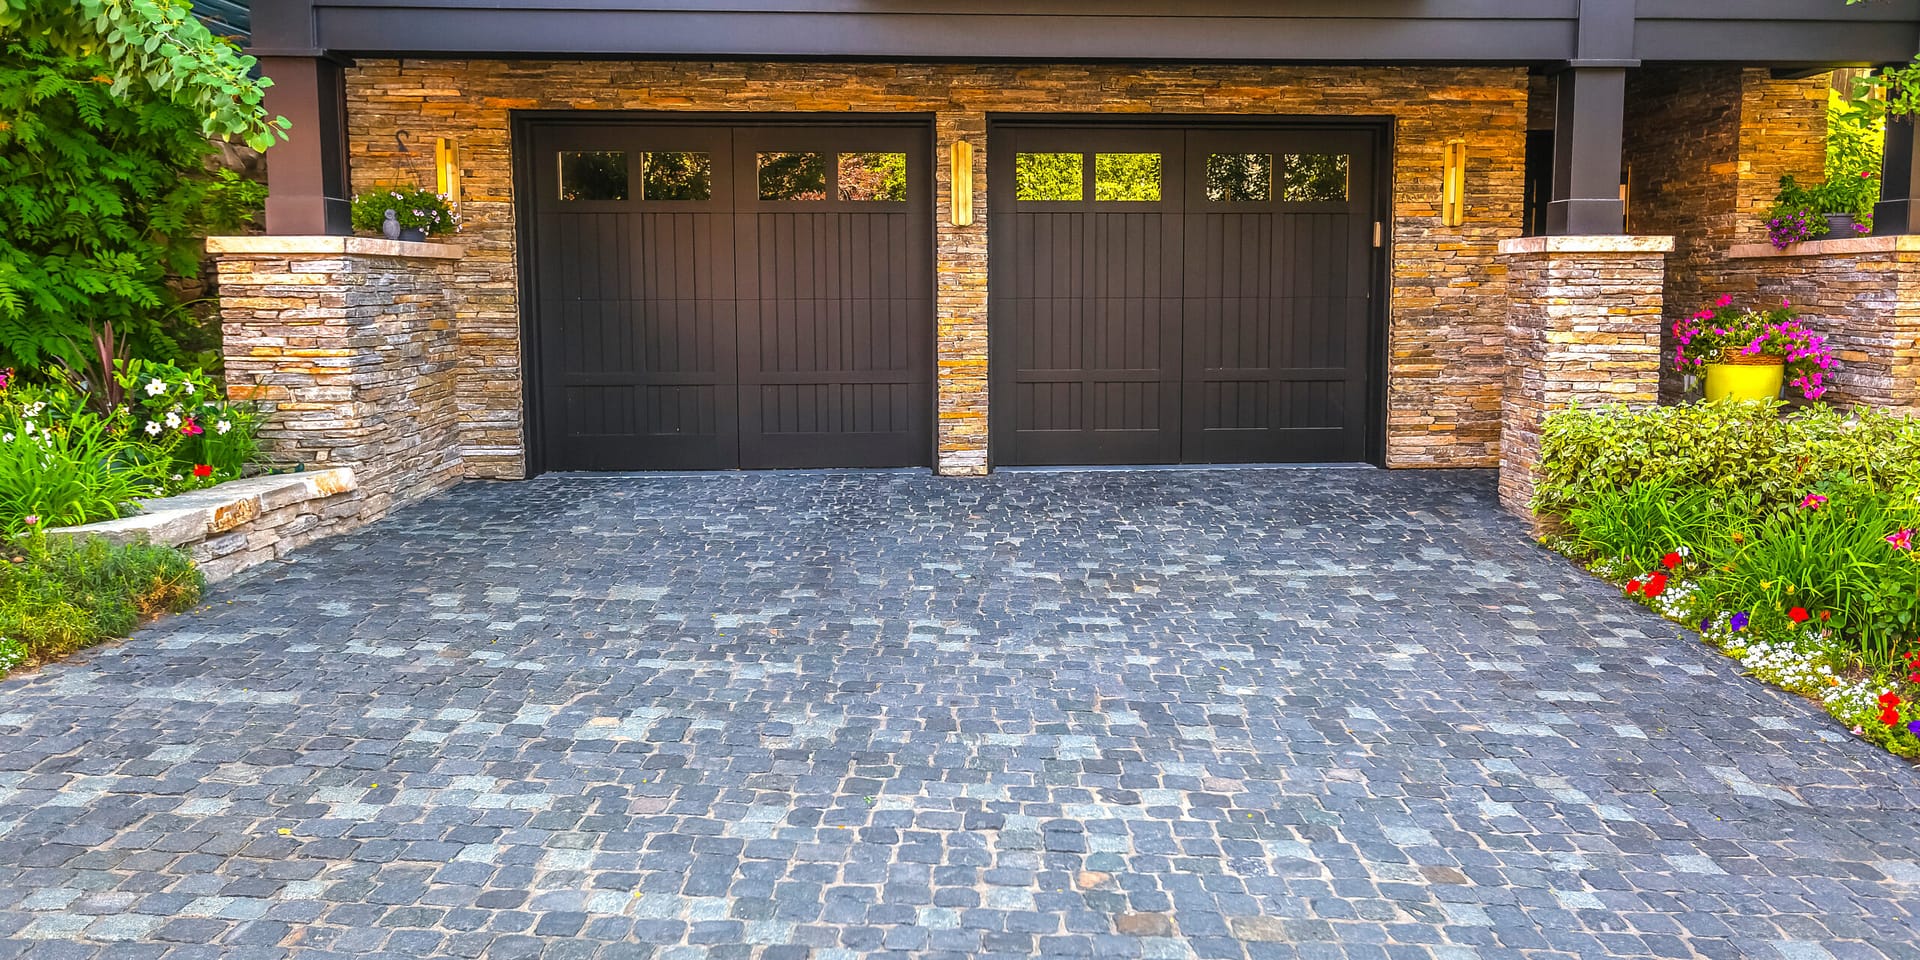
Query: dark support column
1899, 180
307, 185
1589, 119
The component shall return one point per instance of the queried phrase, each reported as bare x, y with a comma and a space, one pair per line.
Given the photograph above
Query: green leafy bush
1747, 452
56, 598
103, 195
1637, 526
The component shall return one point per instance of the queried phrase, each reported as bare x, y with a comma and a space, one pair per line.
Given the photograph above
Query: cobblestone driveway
1261, 713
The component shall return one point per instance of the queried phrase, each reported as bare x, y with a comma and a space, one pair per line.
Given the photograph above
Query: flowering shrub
1779, 538
1708, 337
1799, 213
413, 207
1786, 229
67, 461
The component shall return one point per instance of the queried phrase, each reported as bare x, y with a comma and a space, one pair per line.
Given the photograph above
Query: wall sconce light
1453, 192
960, 175
446, 165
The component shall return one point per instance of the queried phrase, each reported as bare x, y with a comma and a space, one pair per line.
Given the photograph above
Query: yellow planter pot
1745, 381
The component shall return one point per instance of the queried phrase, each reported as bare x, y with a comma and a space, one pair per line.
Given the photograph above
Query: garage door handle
1379, 234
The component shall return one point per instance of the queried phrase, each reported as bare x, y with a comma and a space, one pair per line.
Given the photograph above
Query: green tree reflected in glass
677, 176
793, 176
593, 175
1047, 176
1239, 177
1313, 177
1126, 176
873, 176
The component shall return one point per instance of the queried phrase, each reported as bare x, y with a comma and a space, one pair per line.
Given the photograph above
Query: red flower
1797, 614
1656, 585
1889, 699
1826, 614
1671, 560
203, 470
1633, 586
1889, 716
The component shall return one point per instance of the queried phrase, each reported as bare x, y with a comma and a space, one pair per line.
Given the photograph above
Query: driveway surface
1235, 713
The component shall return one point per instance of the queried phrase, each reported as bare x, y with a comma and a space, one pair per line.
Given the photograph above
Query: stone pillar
1862, 294
1583, 324
348, 345
960, 283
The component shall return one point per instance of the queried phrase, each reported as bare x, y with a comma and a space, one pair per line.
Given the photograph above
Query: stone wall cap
336, 246
1898, 243
1589, 244
194, 516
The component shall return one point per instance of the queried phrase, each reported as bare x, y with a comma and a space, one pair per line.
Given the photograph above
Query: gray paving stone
1157, 714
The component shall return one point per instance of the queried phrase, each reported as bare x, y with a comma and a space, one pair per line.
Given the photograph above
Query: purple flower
1913, 727
1739, 621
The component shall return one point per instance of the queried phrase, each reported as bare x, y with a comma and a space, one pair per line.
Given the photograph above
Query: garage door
741, 295
1167, 295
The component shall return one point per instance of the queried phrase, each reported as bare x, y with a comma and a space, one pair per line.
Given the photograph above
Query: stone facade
243, 523
1705, 150
348, 344
1446, 283
1863, 293
1584, 324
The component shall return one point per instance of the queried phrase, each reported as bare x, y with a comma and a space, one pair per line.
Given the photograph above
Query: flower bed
1788, 541
57, 597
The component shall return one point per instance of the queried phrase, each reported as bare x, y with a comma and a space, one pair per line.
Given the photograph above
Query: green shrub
68, 466
1637, 526
104, 193
58, 597
1747, 452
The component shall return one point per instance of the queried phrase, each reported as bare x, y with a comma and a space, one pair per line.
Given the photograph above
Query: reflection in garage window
1126, 176
1310, 177
1047, 176
676, 176
793, 176
1239, 177
873, 176
593, 175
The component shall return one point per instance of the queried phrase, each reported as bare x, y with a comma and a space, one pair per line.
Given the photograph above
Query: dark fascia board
1534, 32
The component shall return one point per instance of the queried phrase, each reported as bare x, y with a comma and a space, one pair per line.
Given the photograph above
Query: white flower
222, 427
153, 428
27, 428
156, 387
173, 420
189, 385
33, 410
6, 438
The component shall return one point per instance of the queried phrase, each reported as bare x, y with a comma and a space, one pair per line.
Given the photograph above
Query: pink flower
191, 428
33, 519
1901, 539
1726, 300
1813, 501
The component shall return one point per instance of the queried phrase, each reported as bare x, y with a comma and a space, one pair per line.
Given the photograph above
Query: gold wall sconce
960, 175
446, 166
1453, 196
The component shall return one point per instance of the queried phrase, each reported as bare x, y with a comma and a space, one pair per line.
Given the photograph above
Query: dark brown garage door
1169, 295
742, 295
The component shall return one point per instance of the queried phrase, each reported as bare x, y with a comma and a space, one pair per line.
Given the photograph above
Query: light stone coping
336, 246
1589, 244
194, 517
1900, 243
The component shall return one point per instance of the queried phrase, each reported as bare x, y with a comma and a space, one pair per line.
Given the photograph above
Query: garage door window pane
593, 175
873, 176
1312, 177
793, 176
1126, 176
1239, 177
676, 176
1047, 176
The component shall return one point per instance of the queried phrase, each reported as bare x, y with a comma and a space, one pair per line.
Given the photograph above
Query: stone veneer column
1583, 324
960, 302
348, 345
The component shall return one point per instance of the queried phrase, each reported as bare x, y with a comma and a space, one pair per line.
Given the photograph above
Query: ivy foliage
102, 196
157, 47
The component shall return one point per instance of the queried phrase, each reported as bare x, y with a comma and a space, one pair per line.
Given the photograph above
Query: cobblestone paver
1236, 714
